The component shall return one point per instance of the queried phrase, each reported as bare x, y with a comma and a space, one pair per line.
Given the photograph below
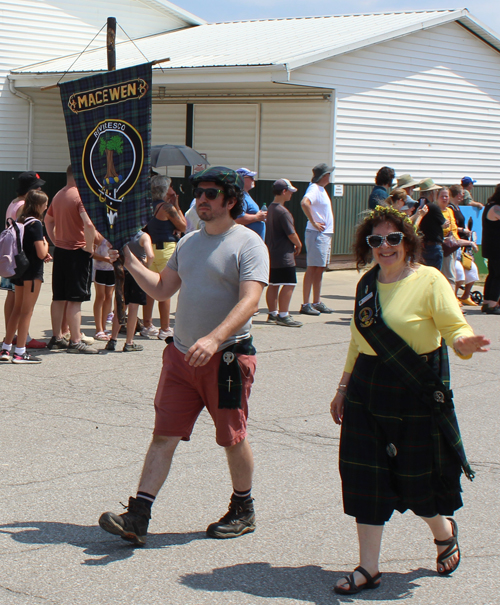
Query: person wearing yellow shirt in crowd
397, 451
451, 234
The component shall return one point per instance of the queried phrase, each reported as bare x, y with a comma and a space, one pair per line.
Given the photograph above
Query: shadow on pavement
92, 539
310, 583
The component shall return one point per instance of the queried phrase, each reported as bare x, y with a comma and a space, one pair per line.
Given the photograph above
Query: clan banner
108, 124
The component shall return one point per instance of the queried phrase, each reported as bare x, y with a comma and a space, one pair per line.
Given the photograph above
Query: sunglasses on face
392, 239
211, 193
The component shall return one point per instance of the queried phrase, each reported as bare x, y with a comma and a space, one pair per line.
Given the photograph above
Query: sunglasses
211, 193
392, 239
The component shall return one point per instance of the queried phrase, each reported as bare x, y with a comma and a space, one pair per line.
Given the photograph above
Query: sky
237, 10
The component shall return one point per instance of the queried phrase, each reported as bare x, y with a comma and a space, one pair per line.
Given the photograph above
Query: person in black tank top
491, 251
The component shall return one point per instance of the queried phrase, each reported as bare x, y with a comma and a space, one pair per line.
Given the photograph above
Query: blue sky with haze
231, 10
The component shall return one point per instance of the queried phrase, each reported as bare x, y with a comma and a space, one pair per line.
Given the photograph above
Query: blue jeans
433, 255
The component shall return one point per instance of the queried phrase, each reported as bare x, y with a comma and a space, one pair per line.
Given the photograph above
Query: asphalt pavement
74, 431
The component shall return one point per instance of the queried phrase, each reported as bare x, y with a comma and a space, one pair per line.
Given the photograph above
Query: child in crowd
104, 283
141, 247
27, 288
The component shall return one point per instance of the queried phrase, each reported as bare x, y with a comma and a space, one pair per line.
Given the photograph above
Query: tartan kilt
380, 410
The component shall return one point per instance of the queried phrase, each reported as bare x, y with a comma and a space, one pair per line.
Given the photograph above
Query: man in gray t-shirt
220, 272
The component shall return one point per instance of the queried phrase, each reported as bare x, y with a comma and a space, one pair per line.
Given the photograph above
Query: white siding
427, 104
228, 134
37, 30
50, 144
294, 138
169, 127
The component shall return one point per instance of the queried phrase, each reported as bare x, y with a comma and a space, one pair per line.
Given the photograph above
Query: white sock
273, 313
7, 347
283, 314
20, 350
28, 339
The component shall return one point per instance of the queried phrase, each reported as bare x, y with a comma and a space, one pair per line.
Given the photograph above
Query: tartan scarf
410, 368
229, 381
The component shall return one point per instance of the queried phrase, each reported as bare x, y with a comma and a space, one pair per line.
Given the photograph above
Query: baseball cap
218, 174
282, 184
466, 181
245, 172
28, 180
320, 170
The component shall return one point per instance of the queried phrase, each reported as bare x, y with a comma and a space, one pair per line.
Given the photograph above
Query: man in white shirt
320, 227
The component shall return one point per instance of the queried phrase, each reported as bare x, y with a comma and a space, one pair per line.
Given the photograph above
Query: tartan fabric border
108, 125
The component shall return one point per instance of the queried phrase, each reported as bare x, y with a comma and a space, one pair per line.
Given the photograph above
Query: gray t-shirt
211, 268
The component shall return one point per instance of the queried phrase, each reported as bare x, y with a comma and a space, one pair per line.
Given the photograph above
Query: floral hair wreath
389, 212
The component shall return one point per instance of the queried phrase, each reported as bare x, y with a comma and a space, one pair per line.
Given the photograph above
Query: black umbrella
175, 155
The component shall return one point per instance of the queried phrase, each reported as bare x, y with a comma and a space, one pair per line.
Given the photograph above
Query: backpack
13, 261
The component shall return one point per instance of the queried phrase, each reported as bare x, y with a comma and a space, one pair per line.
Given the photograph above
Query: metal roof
290, 42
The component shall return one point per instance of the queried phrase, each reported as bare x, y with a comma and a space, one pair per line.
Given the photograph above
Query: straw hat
405, 180
428, 185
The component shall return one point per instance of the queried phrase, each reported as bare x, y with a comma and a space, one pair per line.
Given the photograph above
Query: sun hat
428, 185
406, 180
320, 170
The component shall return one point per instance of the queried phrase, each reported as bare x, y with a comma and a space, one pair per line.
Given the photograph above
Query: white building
418, 91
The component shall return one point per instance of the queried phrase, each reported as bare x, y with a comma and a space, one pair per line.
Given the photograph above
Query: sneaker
151, 331
5, 355
271, 319
308, 309
132, 525
239, 520
163, 334
57, 343
133, 347
81, 347
139, 326
36, 344
322, 308
88, 340
25, 358
109, 318
111, 345
289, 322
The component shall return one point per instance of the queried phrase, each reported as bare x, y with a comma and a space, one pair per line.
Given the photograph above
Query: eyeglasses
392, 239
211, 193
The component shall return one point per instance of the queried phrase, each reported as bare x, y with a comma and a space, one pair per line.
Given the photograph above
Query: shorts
319, 246
131, 291
162, 256
71, 275
183, 391
104, 278
283, 276
6, 284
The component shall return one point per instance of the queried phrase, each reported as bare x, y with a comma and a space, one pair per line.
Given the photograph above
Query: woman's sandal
370, 583
102, 336
453, 548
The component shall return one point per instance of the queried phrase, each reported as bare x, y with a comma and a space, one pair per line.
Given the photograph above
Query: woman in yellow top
450, 229
400, 445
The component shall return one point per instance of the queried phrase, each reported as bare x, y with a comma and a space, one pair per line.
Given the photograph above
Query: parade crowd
400, 445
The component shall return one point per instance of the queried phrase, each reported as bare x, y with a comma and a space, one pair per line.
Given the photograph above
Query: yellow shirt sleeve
422, 309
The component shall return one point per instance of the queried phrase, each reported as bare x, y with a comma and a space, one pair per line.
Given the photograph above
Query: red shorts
183, 392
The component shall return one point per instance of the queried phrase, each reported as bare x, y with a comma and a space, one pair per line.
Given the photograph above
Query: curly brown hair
382, 214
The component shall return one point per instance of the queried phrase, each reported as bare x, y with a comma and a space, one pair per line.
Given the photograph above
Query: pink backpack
13, 261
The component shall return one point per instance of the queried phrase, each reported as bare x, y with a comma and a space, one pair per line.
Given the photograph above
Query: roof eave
460, 14
177, 11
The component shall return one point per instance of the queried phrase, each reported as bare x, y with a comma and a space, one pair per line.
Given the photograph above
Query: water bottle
264, 207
